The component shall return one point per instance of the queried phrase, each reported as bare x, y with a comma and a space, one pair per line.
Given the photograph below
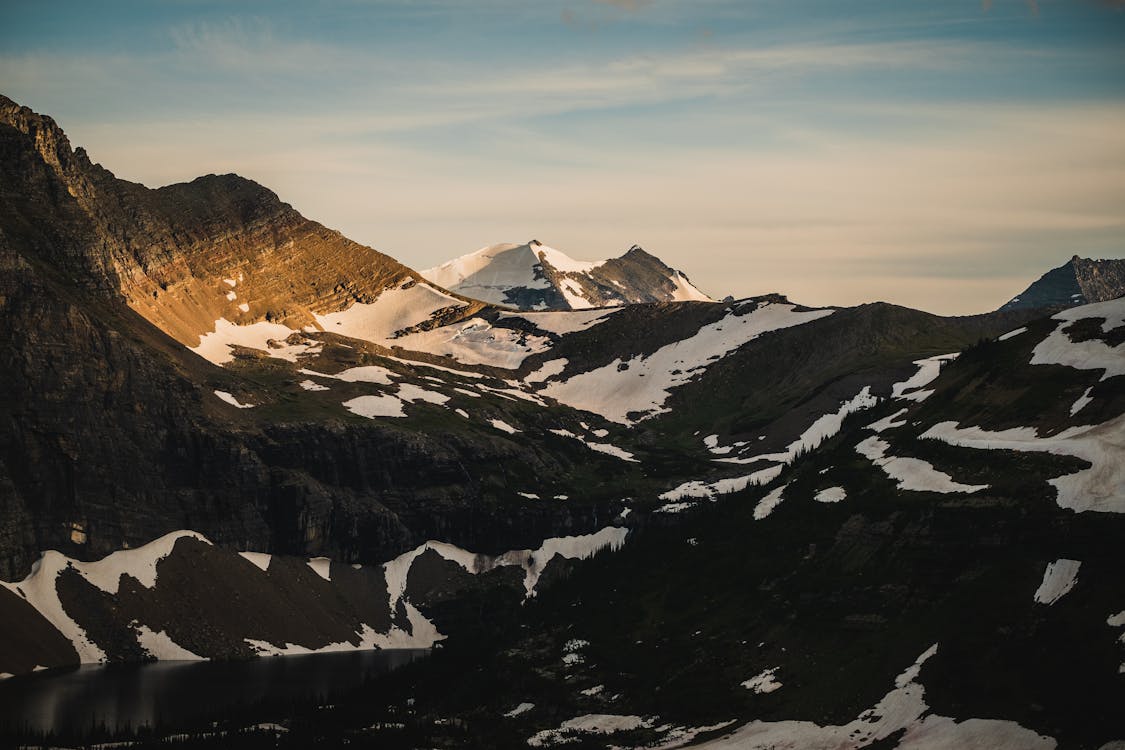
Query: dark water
174, 694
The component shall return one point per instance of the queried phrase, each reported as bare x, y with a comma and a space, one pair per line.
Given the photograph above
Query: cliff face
1079, 281
109, 431
168, 251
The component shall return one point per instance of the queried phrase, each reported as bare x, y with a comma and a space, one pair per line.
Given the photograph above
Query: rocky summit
617, 511
1077, 282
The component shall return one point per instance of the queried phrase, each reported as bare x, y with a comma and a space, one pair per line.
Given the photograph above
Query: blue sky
939, 155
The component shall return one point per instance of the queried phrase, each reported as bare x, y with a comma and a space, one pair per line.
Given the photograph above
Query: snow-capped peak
535, 276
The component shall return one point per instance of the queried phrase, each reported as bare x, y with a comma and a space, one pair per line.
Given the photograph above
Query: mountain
949, 551
744, 504
1077, 282
534, 276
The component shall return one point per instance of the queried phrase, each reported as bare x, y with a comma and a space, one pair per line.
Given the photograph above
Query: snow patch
767, 504
1081, 401
563, 322
230, 399
560, 261
261, 559
546, 371
477, 342
384, 405
159, 645
1012, 334
40, 586
903, 708
763, 682
503, 426
1058, 579
820, 430
393, 310
711, 490
912, 474
587, 724
831, 495
1058, 349
888, 423
606, 448
522, 708
571, 548
322, 567
410, 392
929, 368
684, 291
270, 338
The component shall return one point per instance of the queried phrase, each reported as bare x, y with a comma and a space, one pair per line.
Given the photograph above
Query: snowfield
487, 273
393, 310
271, 338
642, 384
477, 342
1093, 354
1099, 488
40, 586
40, 589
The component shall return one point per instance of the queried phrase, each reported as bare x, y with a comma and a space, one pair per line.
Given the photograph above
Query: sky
940, 155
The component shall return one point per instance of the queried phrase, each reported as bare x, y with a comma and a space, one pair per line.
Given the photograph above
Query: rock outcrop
1079, 281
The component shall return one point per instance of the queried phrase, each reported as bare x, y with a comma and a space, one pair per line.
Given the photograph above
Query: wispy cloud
629, 5
896, 154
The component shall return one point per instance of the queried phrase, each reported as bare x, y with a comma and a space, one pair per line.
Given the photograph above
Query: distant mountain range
226, 430
534, 276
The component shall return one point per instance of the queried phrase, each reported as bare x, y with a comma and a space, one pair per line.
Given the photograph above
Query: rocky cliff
1077, 282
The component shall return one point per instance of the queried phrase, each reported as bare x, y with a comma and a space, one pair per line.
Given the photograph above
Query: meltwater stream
169, 694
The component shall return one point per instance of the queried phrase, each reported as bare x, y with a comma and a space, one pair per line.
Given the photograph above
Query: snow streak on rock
904, 710
1058, 579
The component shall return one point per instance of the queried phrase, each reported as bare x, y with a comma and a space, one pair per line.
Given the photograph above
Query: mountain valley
618, 511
